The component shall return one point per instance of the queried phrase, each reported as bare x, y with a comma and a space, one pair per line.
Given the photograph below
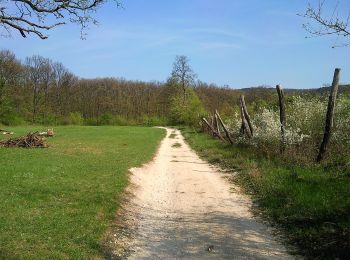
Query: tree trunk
282, 106
329, 116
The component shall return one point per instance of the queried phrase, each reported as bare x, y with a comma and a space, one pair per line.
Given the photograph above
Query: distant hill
322, 90
225, 98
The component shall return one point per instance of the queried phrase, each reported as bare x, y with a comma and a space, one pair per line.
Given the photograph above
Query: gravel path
179, 206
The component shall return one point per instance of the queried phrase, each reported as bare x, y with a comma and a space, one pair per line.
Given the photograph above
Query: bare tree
61, 88
323, 23
182, 73
39, 16
10, 73
38, 73
10, 68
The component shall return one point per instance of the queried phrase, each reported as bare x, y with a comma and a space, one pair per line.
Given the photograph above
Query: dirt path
181, 207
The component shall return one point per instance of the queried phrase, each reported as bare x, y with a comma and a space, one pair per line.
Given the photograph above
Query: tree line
41, 91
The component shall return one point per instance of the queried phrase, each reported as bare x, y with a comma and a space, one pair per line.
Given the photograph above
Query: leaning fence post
329, 116
246, 115
282, 106
212, 129
216, 126
212, 122
245, 129
224, 127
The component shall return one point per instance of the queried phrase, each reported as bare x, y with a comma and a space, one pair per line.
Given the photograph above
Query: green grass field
311, 204
58, 202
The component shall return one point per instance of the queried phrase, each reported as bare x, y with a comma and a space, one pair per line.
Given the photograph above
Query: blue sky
240, 43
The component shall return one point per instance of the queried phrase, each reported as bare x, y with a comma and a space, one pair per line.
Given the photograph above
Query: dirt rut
179, 206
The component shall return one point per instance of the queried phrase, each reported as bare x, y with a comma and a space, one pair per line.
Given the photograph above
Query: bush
76, 118
186, 111
304, 130
106, 119
120, 120
153, 121
91, 121
8, 116
12, 119
49, 119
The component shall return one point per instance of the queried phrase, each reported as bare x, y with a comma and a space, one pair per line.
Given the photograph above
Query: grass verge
310, 204
58, 202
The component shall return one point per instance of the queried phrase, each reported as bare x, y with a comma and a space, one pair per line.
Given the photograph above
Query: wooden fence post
246, 115
212, 129
216, 125
224, 127
283, 121
245, 129
213, 122
329, 116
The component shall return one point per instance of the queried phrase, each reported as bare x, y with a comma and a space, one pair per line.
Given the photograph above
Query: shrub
90, 121
120, 120
304, 130
186, 111
153, 121
48, 119
106, 119
12, 119
76, 118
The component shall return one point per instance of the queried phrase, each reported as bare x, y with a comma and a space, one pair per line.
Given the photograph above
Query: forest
41, 91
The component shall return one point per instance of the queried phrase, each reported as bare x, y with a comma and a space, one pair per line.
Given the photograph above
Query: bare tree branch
35, 16
322, 25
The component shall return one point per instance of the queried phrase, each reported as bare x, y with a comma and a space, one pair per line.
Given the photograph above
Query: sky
238, 43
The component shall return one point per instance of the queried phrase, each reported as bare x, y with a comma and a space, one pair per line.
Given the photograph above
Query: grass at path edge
310, 205
58, 202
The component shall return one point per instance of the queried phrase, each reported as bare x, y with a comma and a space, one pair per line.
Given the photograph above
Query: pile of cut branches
31, 140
